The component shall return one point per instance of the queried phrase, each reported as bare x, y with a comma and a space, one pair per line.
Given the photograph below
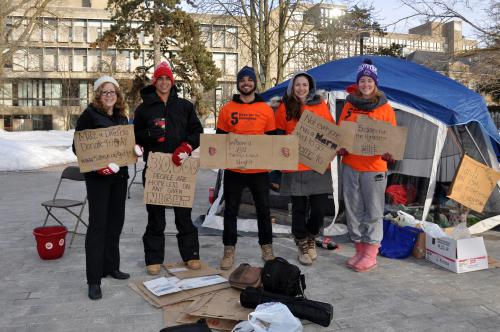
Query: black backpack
281, 277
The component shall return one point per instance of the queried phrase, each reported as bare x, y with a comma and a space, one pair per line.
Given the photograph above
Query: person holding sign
308, 189
106, 190
364, 178
246, 114
167, 123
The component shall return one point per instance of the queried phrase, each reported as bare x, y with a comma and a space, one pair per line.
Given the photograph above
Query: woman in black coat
106, 190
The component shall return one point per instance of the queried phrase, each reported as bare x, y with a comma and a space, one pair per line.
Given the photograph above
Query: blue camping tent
410, 84
444, 118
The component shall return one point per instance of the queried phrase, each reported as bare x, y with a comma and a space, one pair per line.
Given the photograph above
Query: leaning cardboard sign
473, 184
319, 140
168, 184
248, 151
96, 148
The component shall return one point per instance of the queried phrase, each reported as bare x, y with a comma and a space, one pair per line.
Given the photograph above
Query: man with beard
246, 114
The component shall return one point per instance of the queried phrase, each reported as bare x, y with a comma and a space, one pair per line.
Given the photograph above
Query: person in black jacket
167, 123
106, 190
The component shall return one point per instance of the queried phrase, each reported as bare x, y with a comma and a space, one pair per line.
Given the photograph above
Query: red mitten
388, 157
111, 169
182, 152
342, 152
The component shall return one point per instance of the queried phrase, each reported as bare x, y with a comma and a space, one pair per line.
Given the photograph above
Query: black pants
154, 237
258, 183
308, 213
106, 197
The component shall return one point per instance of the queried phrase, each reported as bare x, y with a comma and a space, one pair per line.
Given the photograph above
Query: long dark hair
292, 104
119, 109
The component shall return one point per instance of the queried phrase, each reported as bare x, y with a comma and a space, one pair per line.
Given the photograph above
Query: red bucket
50, 241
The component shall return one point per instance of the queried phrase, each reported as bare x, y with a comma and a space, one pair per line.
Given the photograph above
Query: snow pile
28, 150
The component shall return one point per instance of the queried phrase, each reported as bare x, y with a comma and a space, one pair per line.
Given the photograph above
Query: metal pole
475, 144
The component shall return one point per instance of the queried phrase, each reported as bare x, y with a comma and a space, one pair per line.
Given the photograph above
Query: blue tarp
410, 84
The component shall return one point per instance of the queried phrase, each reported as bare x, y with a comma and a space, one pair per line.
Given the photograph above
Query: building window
218, 36
83, 93
19, 60
64, 31
227, 63
36, 34
79, 31
231, 38
86, 3
64, 59
219, 61
122, 61
49, 59
6, 94
93, 60
136, 60
53, 93
93, 31
49, 30
79, 60
42, 121
30, 93
108, 61
34, 59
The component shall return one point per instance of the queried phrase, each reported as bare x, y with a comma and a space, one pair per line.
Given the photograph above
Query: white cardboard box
458, 256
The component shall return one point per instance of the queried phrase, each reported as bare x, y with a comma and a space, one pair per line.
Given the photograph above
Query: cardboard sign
319, 140
248, 152
375, 137
96, 148
473, 184
168, 184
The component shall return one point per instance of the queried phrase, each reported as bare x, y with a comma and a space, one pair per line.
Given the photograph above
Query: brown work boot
303, 247
267, 252
193, 264
153, 269
228, 260
311, 243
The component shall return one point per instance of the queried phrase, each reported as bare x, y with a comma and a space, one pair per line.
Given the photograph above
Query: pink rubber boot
360, 249
369, 259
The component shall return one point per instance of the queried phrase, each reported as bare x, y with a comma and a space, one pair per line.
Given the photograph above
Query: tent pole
475, 144
440, 140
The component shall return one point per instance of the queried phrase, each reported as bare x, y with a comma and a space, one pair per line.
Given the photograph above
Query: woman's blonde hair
119, 109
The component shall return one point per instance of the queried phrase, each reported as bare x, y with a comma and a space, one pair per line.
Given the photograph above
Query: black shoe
119, 275
95, 292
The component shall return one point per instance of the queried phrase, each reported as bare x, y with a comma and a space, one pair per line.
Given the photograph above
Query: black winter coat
91, 118
182, 124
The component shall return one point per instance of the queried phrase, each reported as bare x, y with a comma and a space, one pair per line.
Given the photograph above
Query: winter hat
104, 79
163, 69
367, 69
246, 71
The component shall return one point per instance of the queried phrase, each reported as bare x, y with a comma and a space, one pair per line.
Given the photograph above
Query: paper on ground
163, 286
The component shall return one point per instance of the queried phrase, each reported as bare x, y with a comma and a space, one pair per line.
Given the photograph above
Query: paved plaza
400, 295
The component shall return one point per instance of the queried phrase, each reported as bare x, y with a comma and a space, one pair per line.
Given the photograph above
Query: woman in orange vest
308, 189
364, 178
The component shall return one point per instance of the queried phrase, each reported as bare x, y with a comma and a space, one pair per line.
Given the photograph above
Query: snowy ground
28, 150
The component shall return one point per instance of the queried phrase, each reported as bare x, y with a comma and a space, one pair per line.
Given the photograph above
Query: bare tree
266, 28
18, 20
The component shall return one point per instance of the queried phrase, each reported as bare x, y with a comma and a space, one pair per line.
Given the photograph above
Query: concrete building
49, 80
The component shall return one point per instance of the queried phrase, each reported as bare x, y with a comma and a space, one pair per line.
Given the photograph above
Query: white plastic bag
433, 230
405, 219
274, 317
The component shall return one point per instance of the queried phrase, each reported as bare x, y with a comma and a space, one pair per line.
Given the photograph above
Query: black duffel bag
320, 313
281, 277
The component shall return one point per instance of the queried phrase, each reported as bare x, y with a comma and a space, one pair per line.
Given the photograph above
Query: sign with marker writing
375, 137
96, 148
319, 140
168, 184
473, 184
235, 151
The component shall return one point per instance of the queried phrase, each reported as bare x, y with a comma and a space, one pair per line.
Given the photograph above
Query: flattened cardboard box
183, 272
221, 304
459, 256
164, 300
